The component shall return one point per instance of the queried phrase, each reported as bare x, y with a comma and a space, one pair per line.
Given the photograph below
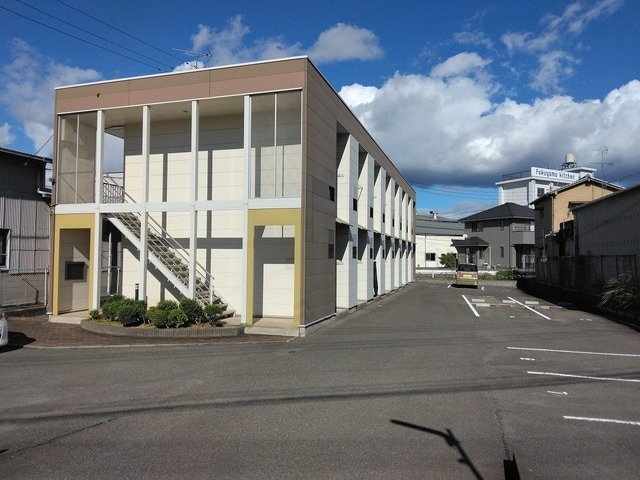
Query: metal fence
586, 273
23, 287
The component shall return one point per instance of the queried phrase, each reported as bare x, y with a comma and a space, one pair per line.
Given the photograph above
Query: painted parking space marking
575, 352
556, 393
585, 377
603, 420
475, 312
529, 308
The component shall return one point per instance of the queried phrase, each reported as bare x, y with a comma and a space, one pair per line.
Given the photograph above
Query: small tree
448, 260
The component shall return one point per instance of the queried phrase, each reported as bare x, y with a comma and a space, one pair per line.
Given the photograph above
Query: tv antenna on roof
603, 151
192, 53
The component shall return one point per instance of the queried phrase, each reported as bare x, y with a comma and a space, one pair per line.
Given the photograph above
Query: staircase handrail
158, 230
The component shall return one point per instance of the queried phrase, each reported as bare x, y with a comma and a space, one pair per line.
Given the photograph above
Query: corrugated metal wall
24, 212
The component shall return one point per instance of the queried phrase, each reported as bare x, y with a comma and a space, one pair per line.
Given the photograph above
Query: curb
217, 332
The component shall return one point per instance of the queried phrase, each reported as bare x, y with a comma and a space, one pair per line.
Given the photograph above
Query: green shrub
131, 312
94, 314
193, 310
508, 274
167, 305
176, 318
157, 317
212, 313
111, 306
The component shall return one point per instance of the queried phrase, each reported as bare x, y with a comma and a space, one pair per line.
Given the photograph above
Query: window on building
501, 225
74, 270
276, 145
477, 227
331, 250
501, 251
354, 204
4, 248
332, 193
354, 252
371, 212
430, 257
540, 191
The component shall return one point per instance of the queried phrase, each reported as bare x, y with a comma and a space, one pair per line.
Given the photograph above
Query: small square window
74, 270
430, 257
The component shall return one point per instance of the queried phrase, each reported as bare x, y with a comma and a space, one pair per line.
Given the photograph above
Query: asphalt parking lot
430, 382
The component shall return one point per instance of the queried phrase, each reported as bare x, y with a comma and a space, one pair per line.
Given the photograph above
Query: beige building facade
253, 184
554, 209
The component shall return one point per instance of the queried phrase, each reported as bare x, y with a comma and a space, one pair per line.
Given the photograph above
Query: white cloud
345, 42
552, 45
6, 137
27, 90
460, 64
228, 46
447, 130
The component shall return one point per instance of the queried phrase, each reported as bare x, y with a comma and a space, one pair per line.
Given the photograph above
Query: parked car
4, 330
467, 275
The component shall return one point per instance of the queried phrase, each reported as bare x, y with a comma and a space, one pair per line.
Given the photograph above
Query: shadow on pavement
510, 467
17, 340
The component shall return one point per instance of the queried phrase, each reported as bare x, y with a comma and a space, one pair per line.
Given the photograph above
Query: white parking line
475, 312
587, 377
575, 351
604, 420
529, 308
556, 393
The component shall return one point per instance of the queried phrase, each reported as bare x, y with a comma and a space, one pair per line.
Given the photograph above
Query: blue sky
457, 93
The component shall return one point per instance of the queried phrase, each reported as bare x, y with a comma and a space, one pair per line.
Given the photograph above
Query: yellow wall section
283, 216
69, 221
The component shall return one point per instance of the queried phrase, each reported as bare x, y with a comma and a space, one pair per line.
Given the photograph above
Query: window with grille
4, 248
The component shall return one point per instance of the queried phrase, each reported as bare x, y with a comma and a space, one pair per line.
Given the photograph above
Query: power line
78, 38
121, 31
93, 34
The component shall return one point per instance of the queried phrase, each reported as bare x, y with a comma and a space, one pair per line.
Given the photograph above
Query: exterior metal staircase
169, 257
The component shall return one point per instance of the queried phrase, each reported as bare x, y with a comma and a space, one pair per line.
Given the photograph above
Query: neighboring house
601, 242
254, 184
24, 227
554, 209
610, 225
500, 237
524, 187
433, 238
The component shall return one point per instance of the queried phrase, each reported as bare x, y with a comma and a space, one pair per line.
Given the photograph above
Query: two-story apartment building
251, 183
499, 237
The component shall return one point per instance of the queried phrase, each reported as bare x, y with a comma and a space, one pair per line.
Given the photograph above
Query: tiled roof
506, 210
